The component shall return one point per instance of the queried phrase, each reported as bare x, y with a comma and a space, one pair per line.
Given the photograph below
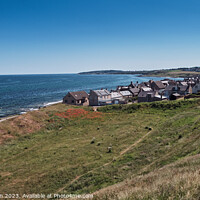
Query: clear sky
66, 36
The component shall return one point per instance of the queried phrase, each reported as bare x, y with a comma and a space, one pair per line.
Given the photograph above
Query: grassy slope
60, 157
179, 180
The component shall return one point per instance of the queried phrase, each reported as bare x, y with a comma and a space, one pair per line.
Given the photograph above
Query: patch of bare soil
23, 124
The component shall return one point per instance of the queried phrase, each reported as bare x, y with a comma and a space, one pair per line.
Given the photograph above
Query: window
65, 101
72, 101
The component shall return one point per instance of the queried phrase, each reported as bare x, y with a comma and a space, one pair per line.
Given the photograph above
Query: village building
142, 92
172, 82
100, 97
135, 91
157, 85
169, 90
165, 82
175, 96
77, 98
117, 98
146, 89
183, 90
196, 87
184, 83
189, 89
145, 96
144, 84
179, 89
122, 88
126, 93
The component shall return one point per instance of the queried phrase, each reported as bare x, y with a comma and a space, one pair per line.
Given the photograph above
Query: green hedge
161, 105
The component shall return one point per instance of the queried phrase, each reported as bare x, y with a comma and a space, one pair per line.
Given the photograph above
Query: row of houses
150, 91
97, 97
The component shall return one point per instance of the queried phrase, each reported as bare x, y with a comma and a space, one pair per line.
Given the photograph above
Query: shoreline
9, 117
30, 110
46, 104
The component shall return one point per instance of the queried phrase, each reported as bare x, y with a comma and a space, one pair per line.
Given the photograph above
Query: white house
100, 97
116, 97
126, 93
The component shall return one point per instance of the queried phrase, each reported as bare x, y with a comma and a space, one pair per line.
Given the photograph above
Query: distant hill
112, 72
104, 72
177, 72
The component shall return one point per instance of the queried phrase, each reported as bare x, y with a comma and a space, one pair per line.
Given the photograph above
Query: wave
39, 106
52, 103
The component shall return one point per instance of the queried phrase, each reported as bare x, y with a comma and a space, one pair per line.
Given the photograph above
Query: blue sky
67, 36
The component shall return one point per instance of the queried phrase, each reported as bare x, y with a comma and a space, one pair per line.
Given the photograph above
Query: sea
22, 93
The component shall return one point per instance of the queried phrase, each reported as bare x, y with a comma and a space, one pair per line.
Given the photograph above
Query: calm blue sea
21, 93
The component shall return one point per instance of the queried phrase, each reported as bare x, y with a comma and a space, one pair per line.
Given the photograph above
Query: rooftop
79, 95
102, 92
125, 93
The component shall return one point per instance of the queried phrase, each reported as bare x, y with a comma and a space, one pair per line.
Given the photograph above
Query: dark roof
159, 84
144, 93
183, 87
172, 82
179, 88
170, 87
144, 84
79, 95
134, 90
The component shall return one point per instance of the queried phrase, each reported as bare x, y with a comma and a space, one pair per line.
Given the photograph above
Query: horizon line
97, 70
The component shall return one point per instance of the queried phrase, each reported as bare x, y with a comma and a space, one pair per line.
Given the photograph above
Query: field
138, 151
172, 73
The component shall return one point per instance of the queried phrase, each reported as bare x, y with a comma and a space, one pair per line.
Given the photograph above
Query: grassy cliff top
138, 151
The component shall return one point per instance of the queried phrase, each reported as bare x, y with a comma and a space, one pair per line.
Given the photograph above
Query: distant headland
176, 73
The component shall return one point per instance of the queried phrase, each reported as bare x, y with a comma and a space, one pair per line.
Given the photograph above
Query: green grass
60, 157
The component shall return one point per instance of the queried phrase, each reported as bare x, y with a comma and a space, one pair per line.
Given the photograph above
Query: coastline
9, 117
30, 110
24, 108
172, 73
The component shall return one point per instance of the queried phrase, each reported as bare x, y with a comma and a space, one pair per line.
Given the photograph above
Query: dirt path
134, 144
121, 154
